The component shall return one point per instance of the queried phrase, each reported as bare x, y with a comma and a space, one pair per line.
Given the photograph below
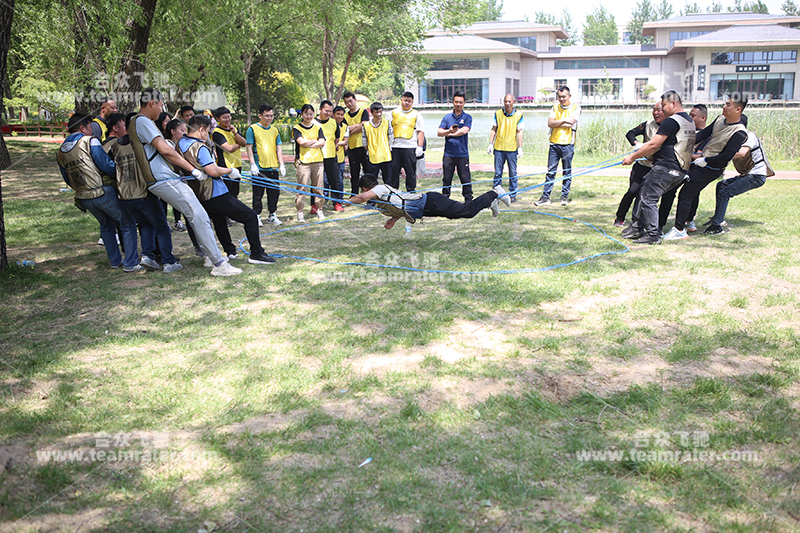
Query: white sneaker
675, 234
174, 267
502, 196
300, 218
690, 226
320, 214
260, 224
225, 269
495, 207
274, 220
149, 263
207, 262
100, 242
233, 256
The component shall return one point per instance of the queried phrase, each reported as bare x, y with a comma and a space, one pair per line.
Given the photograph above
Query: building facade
704, 56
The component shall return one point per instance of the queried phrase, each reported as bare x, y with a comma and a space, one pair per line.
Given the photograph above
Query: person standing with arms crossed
455, 129
505, 142
357, 154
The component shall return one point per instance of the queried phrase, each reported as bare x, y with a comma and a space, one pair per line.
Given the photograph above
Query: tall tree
566, 23
6, 19
756, 6
132, 66
691, 9
641, 14
664, 10
790, 8
600, 28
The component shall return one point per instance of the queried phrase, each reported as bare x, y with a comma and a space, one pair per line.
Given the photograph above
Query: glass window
683, 35
475, 89
589, 86
461, 64
528, 42
621, 62
754, 58
767, 86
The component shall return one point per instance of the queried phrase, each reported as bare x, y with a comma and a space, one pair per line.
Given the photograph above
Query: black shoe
632, 232
260, 259
714, 229
648, 239
513, 199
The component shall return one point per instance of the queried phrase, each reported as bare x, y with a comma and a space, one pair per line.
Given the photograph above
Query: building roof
618, 50
504, 27
470, 44
744, 35
705, 20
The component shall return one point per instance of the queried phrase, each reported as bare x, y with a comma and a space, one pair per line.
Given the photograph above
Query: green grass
476, 398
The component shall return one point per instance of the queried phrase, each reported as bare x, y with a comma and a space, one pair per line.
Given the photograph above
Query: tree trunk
351, 50
6, 17
248, 64
132, 68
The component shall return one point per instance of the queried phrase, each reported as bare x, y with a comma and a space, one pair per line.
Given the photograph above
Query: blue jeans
148, 213
727, 189
106, 210
500, 158
563, 153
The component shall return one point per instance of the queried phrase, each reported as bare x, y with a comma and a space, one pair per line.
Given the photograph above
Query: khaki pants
309, 172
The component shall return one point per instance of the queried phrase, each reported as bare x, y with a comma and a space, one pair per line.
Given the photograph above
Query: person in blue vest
455, 130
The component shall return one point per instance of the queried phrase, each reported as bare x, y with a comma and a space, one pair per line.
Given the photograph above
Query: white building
704, 56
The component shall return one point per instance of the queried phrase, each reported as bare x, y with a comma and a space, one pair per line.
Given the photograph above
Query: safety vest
84, 176
378, 142
308, 155
403, 123
202, 189
505, 139
746, 163
650, 129
107, 145
230, 160
395, 205
103, 128
141, 156
563, 134
351, 120
721, 133
130, 181
329, 129
340, 149
684, 148
266, 145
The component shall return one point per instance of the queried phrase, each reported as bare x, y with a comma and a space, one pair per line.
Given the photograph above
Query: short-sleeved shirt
415, 207
665, 156
757, 154
146, 130
250, 137
456, 146
418, 127
205, 158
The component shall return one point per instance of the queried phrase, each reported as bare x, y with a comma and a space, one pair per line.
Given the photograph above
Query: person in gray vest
671, 148
83, 162
725, 137
754, 169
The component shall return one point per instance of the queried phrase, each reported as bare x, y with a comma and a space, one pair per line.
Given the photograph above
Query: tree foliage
600, 28
566, 23
790, 8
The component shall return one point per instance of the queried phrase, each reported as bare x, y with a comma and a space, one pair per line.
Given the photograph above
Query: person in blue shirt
213, 193
455, 130
82, 162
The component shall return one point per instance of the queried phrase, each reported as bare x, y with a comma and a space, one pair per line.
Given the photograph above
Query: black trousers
334, 182
226, 205
449, 166
638, 172
385, 169
233, 185
658, 181
404, 158
439, 205
273, 192
699, 178
358, 160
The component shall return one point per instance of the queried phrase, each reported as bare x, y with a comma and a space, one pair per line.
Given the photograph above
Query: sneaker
136, 268
313, 209
513, 199
632, 232
260, 224
274, 220
619, 223
225, 269
116, 266
207, 262
502, 196
300, 218
199, 252
233, 256
564, 201
260, 259
714, 229
647, 239
675, 234
149, 263
180, 226
338, 207
495, 207
690, 226
174, 267
100, 242
320, 214
230, 222
542, 201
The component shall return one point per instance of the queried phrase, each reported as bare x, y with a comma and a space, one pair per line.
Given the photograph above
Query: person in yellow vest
409, 138
266, 161
342, 141
725, 135
100, 123
229, 143
377, 141
356, 154
309, 141
563, 124
330, 167
505, 142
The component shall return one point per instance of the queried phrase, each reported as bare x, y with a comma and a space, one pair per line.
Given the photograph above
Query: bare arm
519, 138
365, 196
250, 154
421, 139
492, 134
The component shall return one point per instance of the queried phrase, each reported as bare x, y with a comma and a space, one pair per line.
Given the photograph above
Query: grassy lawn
653, 390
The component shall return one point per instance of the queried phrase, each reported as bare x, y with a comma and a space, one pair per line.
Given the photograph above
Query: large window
639, 85
767, 86
594, 87
476, 90
461, 64
683, 35
522, 42
618, 62
754, 58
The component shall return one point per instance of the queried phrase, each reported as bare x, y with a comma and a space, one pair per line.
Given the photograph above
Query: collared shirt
456, 146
